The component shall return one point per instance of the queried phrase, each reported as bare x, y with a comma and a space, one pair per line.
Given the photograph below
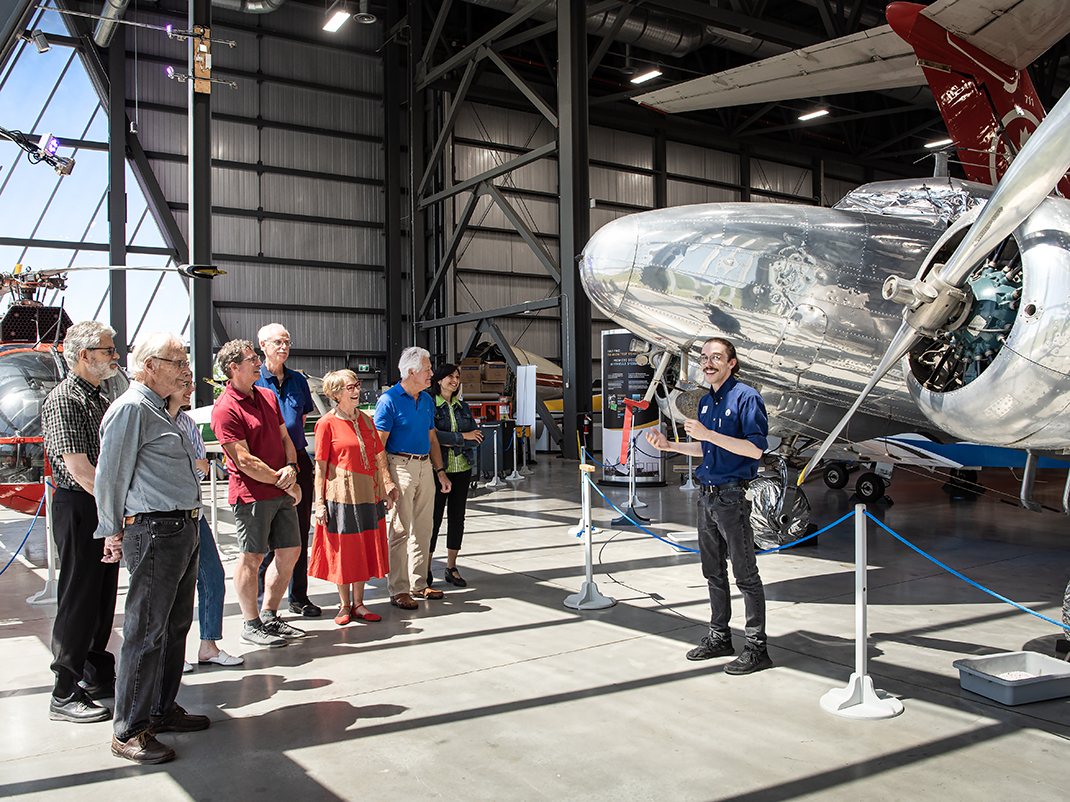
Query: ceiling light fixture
939, 143
364, 16
337, 14
646, 76
813, 115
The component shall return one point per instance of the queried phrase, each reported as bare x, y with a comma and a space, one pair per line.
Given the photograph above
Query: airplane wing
1014, 31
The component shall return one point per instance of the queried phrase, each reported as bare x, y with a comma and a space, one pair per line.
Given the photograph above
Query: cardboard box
470, 377
495, 372
470, 360
492, 387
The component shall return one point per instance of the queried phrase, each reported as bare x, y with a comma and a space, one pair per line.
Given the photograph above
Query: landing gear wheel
836, 475
766, 492
870, 487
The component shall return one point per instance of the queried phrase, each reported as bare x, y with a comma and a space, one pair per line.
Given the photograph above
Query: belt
76, 489
715, 490
420, 457
143, 517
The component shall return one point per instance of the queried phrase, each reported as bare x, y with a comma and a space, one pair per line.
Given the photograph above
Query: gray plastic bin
1049, 678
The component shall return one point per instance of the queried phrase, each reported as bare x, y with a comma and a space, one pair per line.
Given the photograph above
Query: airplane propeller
935, 299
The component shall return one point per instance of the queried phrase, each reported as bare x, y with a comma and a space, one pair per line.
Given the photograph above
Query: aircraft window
26, 378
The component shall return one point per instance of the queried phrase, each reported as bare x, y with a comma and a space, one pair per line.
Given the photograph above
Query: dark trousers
299, 579
161, 556
724, 532
452, 503
86, 591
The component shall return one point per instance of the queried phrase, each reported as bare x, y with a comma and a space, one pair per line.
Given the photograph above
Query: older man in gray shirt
148, 502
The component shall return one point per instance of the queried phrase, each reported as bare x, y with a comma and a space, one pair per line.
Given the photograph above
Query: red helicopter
31, 364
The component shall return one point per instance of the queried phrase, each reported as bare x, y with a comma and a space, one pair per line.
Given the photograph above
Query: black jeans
455, 502
161, 556
86, 589
724, 531
299, 578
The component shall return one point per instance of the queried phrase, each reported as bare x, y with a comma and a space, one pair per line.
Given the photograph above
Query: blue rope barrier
40, 504
965, 579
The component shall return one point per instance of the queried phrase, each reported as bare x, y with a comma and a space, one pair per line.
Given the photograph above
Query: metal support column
117, 189
397, 336
574, 213
200, 195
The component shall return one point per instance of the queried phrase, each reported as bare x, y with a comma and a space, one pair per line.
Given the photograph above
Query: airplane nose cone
608, 262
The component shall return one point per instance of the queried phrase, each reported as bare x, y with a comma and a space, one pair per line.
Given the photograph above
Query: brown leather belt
420, 457
142, 517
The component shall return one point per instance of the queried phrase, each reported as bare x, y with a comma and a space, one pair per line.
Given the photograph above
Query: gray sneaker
258, 635
274, 625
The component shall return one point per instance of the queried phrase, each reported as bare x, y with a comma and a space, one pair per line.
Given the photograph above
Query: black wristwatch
440, 470
294, 466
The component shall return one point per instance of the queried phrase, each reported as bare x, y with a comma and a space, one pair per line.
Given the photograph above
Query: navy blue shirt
295, 401
735, 410
408, 420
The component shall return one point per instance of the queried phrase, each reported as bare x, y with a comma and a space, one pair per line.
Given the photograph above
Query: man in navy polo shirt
295, 402
405, 418
730, 437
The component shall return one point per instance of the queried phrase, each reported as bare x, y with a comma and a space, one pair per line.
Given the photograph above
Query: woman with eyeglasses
458, 435
352, 492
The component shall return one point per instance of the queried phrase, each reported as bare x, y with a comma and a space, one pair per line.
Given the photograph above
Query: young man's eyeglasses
250, 358
704, 359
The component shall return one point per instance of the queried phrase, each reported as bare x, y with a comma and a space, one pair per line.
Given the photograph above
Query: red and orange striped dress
352, 546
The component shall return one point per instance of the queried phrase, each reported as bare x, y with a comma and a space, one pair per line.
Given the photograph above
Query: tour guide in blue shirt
405, 419
295, 402
148, 505
730, 437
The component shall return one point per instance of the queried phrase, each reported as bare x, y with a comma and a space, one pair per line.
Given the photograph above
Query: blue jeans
211, 587
161, 556
724, 532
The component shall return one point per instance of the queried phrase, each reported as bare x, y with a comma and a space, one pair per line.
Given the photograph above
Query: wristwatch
440, 470
294, 466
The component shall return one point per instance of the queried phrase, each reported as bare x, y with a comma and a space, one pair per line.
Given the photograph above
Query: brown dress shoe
178, 720
428, 593
404, 601
142, 748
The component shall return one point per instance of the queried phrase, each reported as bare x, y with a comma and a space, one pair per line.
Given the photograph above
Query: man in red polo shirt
263, 491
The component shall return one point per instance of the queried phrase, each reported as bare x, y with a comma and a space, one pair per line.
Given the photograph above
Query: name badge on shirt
704, 408
728, 412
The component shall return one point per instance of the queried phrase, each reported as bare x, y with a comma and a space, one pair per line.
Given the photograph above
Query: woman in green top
458, 435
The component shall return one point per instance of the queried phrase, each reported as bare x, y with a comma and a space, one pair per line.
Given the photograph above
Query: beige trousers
408, 524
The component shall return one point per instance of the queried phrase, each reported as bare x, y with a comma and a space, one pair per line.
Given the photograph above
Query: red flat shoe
343, 615
368, 616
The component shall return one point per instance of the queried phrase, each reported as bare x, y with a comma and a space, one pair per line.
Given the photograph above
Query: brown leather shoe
178, 720
142, 748
428, 593
404, 601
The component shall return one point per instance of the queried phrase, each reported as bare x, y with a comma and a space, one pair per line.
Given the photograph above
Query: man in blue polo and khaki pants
730, 437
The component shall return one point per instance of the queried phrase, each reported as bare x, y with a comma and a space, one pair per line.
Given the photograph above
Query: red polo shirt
256, 420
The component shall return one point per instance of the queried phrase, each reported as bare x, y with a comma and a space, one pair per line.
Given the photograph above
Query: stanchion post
48, 594
860, 699
588, 598
494, 480
515, 475
690, 483
578, 529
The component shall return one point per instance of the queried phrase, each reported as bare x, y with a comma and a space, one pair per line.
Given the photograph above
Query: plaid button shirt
70, 418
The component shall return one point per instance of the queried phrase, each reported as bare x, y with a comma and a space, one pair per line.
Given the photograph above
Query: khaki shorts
264, 526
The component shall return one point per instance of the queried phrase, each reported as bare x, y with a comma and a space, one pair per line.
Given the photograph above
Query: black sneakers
80, 709
752, 659
711, 647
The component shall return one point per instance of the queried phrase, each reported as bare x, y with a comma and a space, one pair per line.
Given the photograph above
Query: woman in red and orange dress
353, 491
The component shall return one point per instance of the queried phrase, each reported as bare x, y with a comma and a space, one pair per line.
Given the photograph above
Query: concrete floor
499, 692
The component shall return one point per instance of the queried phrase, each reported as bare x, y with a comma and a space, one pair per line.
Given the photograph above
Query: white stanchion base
577, 530
526, 471
47, 595
588, 599
860, 700
495, 482
514, 476
689, 484
680, 537
636, 504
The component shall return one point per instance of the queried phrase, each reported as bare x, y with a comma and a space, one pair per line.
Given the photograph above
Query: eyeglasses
278, 343
182, 363
704, 359
252, 358
112, 351
351, 387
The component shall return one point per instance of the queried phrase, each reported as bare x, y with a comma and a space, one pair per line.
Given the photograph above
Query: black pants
454, 502
86, 591
299, 579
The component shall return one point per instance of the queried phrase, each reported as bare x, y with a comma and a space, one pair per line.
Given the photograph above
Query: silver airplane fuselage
798, 290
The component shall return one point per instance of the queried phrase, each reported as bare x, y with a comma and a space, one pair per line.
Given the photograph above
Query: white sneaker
186, 667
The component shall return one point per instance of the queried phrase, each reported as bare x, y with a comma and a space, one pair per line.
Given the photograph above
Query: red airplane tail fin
990, 108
